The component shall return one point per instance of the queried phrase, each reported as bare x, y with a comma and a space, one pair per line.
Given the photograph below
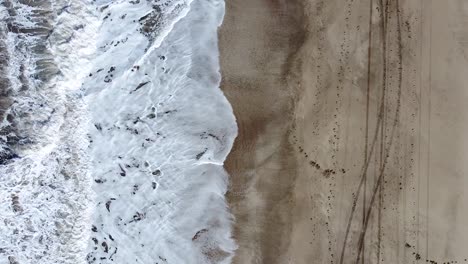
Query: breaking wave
113, 132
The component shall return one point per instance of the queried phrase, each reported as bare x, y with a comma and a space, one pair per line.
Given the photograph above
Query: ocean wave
45, 184
162, 129
113, 133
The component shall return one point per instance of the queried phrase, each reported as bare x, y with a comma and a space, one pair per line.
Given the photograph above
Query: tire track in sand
379, 126
378, 187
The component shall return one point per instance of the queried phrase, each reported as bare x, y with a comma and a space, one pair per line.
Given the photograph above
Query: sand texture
352, 119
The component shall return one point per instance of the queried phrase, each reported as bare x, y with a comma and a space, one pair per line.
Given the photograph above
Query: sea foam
45, 181
161, 131
115, 132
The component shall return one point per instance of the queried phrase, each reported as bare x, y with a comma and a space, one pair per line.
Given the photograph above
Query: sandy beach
352, 119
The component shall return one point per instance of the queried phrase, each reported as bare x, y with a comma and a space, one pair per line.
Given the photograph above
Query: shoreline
257, 43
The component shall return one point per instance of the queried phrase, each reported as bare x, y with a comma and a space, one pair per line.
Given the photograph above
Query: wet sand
352, 120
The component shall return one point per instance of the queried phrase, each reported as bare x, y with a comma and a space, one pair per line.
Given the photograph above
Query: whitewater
113, 133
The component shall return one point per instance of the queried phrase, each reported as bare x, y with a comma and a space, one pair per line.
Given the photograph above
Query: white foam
162, 129
45, 192
126, 140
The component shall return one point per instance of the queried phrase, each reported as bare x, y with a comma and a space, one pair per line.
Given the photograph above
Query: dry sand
353, 118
